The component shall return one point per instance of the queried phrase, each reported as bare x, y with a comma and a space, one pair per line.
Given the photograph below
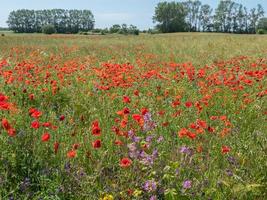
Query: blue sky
106, 12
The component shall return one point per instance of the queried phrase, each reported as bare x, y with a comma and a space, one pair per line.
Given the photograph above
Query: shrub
2, 34
261, 31
83, 33
49, 29
97, 30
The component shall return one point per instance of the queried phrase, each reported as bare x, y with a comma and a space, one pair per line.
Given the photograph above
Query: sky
107, 12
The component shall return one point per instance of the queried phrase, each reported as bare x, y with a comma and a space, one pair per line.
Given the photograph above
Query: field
168, 116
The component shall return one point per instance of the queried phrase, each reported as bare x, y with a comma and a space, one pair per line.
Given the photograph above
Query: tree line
193, 16
64, 21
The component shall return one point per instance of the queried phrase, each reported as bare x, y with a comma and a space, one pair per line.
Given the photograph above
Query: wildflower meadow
107, 117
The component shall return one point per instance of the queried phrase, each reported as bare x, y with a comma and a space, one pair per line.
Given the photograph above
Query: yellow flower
108, 197
136, 193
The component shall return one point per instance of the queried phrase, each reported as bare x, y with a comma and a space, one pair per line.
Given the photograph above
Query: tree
254, 16
205, 17
224, 16
133, 30
64, 21
49, 29
115, 28
170, 17
192, 14
262, 24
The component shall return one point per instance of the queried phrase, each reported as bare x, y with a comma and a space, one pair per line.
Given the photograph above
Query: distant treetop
64, 21
193, 16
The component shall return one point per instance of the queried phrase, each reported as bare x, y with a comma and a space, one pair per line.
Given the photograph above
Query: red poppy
4, 106
35, 113
56, 146
61, 118
118, 142
35, 124
137, 117
126, 110
31, 96
136, 93
130, 192
225, 149
144, 111
96, 130
47, 124
3, 97
188, 104
96, 144
202, 123
45, 137
126, 99
71, 154
213, 117
11, 132
125, 162
5, 124
211, 129
75, 146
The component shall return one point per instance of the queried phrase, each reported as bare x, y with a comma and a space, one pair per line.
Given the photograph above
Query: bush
261, 31
83, 33
49, 29
97, 30
2, 34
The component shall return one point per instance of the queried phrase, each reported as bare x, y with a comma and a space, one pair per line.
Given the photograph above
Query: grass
187, 110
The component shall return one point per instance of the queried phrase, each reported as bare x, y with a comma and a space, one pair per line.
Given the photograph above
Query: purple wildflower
150, 186
187, 184
160, 139
154, 197
149, 124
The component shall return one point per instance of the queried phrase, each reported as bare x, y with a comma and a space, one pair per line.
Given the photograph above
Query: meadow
165, 116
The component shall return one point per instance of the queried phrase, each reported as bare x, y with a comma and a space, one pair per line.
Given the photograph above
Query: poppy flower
125, 162
71, 154
5, 106
5, 124
225, 149
3, 97
136, 93
96, 130
56, 146
47, 124
126, 110
144, 111
202, 123
61, 118
188, 104
11, 132
137, 117
35, 124
75, 146
45, 137
118, 142
126, 99
31, 96
96, 144
35, 113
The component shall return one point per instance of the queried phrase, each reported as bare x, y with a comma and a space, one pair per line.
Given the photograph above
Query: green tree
205, 18
48, 29
193, 9
262, 24
115, 28
64, 21
254, 16
170, 17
